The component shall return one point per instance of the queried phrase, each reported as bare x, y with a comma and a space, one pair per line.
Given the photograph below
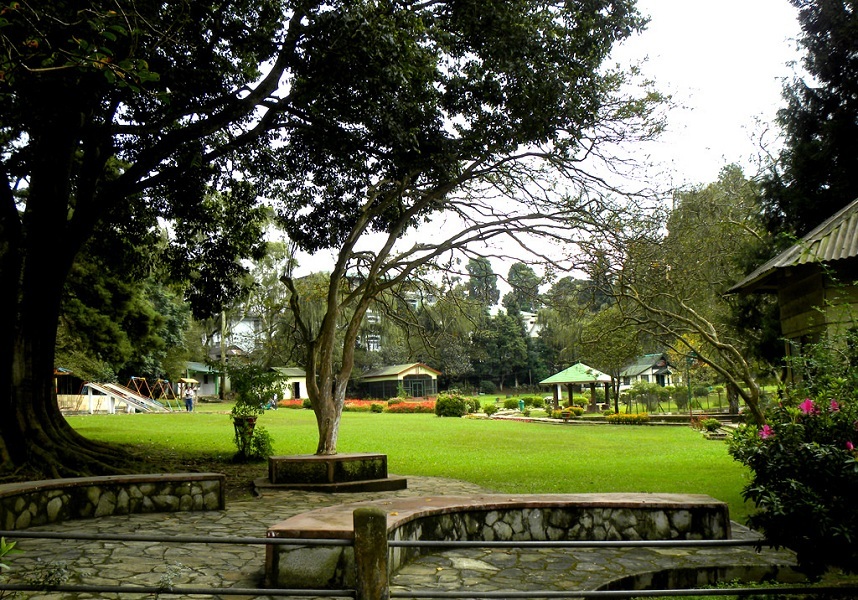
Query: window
645, 378
373, 342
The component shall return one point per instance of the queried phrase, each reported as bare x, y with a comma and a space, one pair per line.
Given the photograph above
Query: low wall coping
27, 503
336, 522
25, 487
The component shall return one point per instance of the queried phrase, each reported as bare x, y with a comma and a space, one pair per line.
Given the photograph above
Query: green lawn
503, 456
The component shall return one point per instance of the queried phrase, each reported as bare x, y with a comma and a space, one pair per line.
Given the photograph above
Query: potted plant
254, 386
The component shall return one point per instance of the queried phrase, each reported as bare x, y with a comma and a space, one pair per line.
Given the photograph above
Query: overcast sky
724, 61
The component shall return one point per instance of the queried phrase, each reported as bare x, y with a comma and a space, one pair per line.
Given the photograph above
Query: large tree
483, 113
482, 282
524, 296
816, 173
113, 115
672, 270
348, 117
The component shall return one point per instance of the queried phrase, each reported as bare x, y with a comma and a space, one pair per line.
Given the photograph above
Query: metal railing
361, 591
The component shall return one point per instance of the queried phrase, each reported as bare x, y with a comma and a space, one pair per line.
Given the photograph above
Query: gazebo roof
578, 373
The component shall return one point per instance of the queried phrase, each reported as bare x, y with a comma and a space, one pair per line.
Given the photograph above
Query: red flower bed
353, 405
294, 403
425, 406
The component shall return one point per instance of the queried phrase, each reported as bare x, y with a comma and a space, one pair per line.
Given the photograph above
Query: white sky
723, 61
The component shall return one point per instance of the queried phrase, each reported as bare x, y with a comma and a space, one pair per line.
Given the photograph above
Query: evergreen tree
817, 172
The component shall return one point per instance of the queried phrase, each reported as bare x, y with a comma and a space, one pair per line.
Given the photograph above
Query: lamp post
689, 359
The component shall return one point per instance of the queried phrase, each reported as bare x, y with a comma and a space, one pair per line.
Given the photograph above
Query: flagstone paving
136, 563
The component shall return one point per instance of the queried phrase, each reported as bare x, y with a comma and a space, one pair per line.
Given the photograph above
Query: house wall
802, 295
648, 376
389, 388
293, 384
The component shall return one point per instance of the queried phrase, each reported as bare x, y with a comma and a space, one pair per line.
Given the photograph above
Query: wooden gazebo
579, 374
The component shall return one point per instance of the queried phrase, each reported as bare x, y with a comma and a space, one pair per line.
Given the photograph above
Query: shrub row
376, 406
425, 406
628, 418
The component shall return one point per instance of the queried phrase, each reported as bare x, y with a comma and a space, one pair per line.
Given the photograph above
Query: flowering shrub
803, 463
295, 403
628, 419
426, 406
350, 405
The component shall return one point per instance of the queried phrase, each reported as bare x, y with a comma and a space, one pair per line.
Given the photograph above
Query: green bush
488, 387
451, 405
649, 394
803, 460
490, 409
567, 413
394, 401
680, 397
700, 391
511, 403
538, 402
307, 403
376, 407
710, 424
260, 447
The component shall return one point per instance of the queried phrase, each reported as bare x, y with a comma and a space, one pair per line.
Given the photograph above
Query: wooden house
814, 281
653, 368
417, 379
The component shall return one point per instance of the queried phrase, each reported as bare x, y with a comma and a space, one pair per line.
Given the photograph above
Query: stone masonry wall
333, 567
563, 523
33, 503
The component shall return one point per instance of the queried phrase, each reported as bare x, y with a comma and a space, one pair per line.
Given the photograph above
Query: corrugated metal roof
578, 373
835, 239
289, 371
643, 363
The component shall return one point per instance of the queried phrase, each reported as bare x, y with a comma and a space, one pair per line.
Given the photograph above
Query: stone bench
31, 503
491, 517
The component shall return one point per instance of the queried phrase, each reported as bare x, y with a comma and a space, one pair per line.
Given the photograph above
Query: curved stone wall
31, 503
541, 517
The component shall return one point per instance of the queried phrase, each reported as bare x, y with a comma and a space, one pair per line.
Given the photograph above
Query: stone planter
331, 473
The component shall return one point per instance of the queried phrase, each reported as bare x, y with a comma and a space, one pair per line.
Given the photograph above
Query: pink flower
834, 406
807, 407
766, 432
850, 446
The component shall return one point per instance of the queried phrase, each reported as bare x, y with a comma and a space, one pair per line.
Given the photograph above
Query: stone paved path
104, 562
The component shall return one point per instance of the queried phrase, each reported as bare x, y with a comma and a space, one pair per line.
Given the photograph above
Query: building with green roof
418, 381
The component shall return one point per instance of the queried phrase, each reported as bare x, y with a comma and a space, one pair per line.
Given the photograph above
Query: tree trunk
35, 260
733, 399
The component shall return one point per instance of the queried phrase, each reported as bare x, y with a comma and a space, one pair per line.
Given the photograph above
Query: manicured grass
503, 456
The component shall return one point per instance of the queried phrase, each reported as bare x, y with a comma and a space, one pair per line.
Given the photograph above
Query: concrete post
371, 554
